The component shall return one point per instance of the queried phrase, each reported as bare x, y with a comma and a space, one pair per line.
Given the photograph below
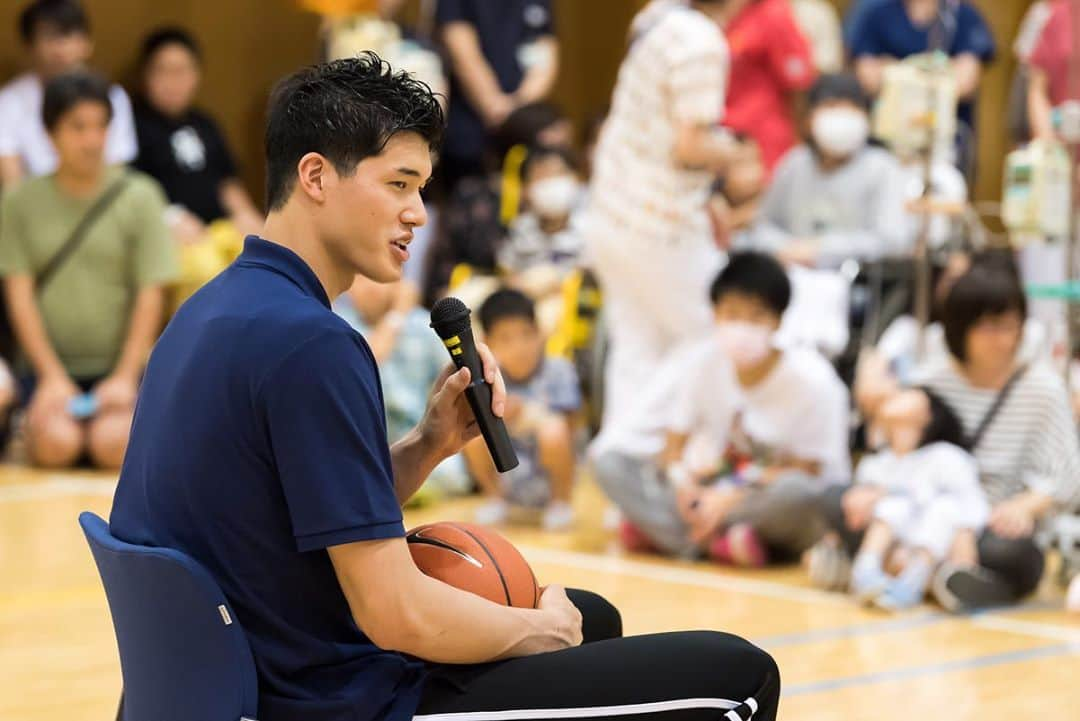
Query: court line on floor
934, 669
56, 487
685, 576
904, 623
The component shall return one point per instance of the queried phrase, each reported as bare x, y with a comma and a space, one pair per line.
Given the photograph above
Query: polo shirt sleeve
788, 52
155, 261
973, 35
13, 257
327, 431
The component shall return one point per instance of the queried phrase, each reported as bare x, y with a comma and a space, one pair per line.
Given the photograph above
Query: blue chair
182, 653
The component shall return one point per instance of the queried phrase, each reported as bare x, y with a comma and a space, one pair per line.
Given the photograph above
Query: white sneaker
558, 516
493, 513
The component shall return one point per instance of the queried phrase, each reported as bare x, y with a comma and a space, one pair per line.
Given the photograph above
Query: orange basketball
475, 559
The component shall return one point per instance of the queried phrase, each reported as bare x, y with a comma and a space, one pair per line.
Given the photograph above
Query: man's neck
290, 229
78, 185
750, 377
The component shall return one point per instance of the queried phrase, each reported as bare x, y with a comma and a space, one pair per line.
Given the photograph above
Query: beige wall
250, 43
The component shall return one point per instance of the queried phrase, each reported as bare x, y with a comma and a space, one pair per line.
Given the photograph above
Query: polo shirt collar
281, 260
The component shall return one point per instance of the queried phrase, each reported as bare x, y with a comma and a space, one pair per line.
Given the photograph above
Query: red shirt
1054, 53
769, 59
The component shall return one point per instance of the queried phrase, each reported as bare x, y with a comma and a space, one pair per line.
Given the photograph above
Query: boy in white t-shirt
928, 490
753, 432
56, 37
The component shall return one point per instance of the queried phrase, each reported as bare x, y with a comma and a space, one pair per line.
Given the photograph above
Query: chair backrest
183, 655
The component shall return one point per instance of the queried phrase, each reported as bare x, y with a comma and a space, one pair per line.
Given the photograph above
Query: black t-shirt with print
187, 155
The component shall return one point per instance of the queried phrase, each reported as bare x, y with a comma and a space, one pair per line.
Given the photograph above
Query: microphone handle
492, 428
463, 352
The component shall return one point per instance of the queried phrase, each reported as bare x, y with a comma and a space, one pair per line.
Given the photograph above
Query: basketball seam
494, 563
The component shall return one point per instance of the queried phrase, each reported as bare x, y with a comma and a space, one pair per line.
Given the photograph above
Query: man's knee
756, 668
108, 440
55, 442
600, 620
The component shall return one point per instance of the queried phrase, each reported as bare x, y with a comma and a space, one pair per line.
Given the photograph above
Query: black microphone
450, 319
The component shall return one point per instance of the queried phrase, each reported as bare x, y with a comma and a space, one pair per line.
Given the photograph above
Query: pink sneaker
738, 546
633, 540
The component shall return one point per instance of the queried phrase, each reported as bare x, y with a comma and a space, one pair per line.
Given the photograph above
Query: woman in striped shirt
1026, 448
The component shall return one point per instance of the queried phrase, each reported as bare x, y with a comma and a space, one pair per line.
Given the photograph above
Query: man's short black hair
755, 274
64, 92
988, 288
168, 35
346, 110
504, 304
944, 425
64, 16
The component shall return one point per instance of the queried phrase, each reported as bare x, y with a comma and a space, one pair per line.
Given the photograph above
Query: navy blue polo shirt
885, 28
502, 28
259, 441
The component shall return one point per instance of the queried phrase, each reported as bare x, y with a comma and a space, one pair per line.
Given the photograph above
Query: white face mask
747, 344
840, 132
554, 197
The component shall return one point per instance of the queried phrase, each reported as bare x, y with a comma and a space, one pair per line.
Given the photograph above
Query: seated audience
770, 60
543, 397
752, 433
543, 242
928, 491
410, 358
835, 197
84, 254
1017, 423
56, 38
184, 150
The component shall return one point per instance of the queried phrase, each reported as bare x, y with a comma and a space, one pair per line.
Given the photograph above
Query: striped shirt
1032, 442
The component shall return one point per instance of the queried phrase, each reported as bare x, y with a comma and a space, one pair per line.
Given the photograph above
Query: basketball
475, 559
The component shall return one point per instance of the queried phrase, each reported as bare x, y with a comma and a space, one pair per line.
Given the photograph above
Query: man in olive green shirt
90, 329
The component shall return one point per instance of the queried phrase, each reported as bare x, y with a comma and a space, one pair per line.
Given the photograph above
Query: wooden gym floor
58, 657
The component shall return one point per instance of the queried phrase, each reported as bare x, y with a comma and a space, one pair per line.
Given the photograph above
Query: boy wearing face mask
834, 197
543, 243
780, 416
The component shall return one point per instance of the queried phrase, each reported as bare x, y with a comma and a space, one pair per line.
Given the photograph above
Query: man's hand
449, 422
566, 617
858, 503
116, 393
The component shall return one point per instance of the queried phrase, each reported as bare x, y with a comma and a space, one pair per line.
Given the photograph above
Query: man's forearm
143, 329
413, 461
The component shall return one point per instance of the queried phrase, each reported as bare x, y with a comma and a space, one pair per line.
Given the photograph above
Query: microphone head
450, 317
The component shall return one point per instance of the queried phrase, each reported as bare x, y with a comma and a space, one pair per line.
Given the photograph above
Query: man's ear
312, 171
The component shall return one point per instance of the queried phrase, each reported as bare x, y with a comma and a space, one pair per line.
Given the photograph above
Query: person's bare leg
55, 441
108, 439
965, 549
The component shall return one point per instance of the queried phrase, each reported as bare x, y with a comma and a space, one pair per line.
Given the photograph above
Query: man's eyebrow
409, 171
